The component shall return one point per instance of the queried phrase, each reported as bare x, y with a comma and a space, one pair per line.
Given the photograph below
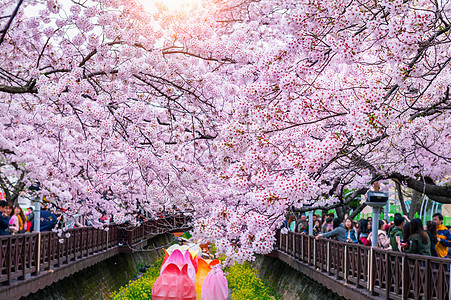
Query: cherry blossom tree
238, 110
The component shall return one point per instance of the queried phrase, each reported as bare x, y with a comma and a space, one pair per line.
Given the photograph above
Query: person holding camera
396, 233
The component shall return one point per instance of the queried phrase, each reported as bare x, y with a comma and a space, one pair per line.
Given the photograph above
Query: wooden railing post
372, 270
58, 253
388, 275
67, 241
79, 241
369, 272
359, 267
24, 258
403, 278
107, 236
49, 250
130, 237
314, 251
328, 256
74, 250
427, 280
308, 250
449, 290
302, 248
293, 250
286, 242
38, 255
345, 264
8, 261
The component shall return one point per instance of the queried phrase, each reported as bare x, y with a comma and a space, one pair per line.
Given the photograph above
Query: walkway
83, 247
356, 272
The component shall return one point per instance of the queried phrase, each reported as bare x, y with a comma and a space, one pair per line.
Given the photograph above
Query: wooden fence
383, 273
24, 256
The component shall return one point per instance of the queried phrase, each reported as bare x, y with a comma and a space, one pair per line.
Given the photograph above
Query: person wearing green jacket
396, 232
419, 239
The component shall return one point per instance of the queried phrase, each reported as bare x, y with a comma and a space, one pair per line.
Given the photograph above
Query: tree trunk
340, 212
415, 205
357, 210
401, 197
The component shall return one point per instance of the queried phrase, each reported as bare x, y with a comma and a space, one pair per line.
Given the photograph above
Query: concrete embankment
289, 283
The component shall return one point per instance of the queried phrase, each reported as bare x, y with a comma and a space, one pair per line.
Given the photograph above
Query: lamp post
376, 200
310, 222
37, 215
387, 211
37, 207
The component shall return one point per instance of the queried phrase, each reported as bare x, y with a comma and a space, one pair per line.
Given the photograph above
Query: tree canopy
236, 110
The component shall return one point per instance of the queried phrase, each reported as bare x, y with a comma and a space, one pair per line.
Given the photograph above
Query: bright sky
171, 4
149, 5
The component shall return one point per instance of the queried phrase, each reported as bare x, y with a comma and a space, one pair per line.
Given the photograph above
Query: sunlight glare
172, 5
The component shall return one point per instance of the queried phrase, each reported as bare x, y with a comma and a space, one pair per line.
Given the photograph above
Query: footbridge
32, 261
359, 272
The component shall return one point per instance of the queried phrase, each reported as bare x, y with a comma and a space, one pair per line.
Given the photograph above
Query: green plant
242, 280
245, 284
142, 287
187, 235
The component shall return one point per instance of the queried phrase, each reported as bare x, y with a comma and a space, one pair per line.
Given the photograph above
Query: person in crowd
316, 227
4, 218
406, 232
317, 217
404, 241
302, 224
338, 232
396, 232
350, 231
382, 239
328, 225
23, 222
72, 222
9, 209
386, 226
48, 220
418, 239
284, 223
17, 221
443, 236
29, 214
365, 229
431, 230
370, 220
291, 223
104, 218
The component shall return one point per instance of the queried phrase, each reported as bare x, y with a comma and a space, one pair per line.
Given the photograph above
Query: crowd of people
402, 234
14, 219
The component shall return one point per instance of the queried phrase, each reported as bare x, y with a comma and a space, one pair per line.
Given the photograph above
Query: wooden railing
23, 256
386, 274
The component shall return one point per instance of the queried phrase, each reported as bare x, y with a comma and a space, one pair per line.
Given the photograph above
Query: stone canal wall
289, 283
